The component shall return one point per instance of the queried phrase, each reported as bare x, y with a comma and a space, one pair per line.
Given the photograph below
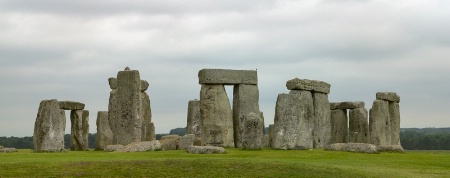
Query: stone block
71, 105
358, 125
339, 126
205, 150
271, 133
112, 83
168, 144
186, 141
253, 131
144, 85
49, 127
379, 123
310, 85
352, 147
390, 148
146, 116
104, 134
152, 131
388, 96
78, 137
394, 116
111, 148
347, 105
216, 117
245, 101
227, 77
321, 120
141, 146
193, 119
7, 150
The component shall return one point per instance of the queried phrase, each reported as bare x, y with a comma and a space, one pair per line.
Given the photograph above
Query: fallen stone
339, 126
104, 134
245, 101
227, 77
142, 146
390, 148
8, 150
352, 147
321, 120
205, 150
347, 105
193, 120
71, 105
253, 131
111, 148
49, 128
168, 144
310, 85
388, 96
186, 141
336, 147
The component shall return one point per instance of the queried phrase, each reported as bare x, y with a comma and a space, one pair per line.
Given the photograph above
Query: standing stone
146, 112
322, 120
113, 108
77, 138
271, 133
245, 100
85, 129
292, 124
49, 128
253, 131
193, 120
129, 123
379, 121
216, 116
152, 134
339, 126
104, 134
394, 112
358, 125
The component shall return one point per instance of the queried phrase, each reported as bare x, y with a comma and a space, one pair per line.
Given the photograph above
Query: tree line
411, 139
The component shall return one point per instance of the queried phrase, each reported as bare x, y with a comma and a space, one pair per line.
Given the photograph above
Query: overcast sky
67, 50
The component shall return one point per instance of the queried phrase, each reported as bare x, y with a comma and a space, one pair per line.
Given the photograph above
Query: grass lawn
236, 163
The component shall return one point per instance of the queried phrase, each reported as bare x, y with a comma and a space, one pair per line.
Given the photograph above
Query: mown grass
236, 163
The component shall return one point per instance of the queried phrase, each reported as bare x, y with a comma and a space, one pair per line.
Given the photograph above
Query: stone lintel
388, 96
310, 85
71, 105
227, 76
347, 105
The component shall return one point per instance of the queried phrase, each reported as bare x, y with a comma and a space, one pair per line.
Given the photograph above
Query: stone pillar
113, 107
271, 133
245, 100
293, 128
379, 121
339, 126
77, 137
49, 128
85, 129
104, 133
146, 111
253, 131
358, 125
322, 120
216, 116
193, 120
128, 121
394, 111
152, 134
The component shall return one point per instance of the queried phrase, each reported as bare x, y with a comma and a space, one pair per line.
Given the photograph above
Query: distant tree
178, 131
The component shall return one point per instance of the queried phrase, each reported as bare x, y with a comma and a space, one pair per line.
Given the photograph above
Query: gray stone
310, 85
128, 119
144, 85
112, 83
347, 105
227, 77
216, 116
293, 127
336, 147
113, 108
152, 131
141, 146
104, 134
253, 131
79, 130
390, 148
146, 116
111, 148
71, 105
49, 128
7, 150
205, 150
352, 147
265, 141
339, 126
394, 113
245, 100
379, 123
388, 96
168, 144
193, 120
321, 120
358, 125
271, 133
186, 141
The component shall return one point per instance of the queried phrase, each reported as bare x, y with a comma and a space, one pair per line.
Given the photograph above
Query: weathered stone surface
142, 146
321, 120
358, 125
49, 128
394, 113
193, 120
112, 83
71, 105
352, 147
347, 105
128, 121
293, 127
85, 129
104, 134
265, 141
390, 148
168, 144
379, 123
253, 131
113, 108
111, 148
388, 96
271, 135
144, 85
79, 130
339, 126
227, 77
7, 150
146, 116
245, 100
152, 131
216, 116
310, 85
205, 150
186, 141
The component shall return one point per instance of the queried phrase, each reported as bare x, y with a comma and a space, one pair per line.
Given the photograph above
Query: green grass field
235, 163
